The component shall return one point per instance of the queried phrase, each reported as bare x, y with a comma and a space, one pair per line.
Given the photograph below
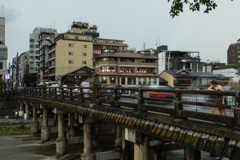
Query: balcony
107, 62
148, 64
50, 67
50, 59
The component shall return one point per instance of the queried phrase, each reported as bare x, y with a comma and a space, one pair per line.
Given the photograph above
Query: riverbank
19, 129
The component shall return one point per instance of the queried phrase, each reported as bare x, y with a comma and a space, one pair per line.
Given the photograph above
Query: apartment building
233, 53
45, 40
177, 60
77, 48
23, 65
127, 68
3, 50
34, 46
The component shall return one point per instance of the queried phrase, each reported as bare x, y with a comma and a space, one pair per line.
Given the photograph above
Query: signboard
41, 76
7, 76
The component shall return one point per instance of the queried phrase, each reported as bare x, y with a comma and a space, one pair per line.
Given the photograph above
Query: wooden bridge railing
112, 96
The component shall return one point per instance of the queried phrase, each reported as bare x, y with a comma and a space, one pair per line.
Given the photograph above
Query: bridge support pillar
125, 147
76, 120
87, 138
61, 142
141, 148
34, 123
21, 111
45, 129
118, 140
192, 154
55, 120
160, 154
71, 129
26, 114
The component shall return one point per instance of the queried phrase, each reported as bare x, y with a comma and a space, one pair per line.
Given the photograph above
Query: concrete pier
87, 140
45, 129
160, 154
21, 111
34, 123
71, 129
26, 114
118, 140
61, 142
192, 154
141, 149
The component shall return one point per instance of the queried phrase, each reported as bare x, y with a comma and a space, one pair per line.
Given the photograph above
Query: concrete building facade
77, 48
233, 53
34, 46
127, 69
3, 50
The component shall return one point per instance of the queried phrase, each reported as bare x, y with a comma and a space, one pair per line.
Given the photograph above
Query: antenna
2, 10
159, 40
54, 24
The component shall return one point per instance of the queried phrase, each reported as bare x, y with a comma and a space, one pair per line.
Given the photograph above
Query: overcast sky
135, 21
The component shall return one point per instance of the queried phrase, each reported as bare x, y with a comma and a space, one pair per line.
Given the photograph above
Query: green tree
194, 5
3, 86
29, 78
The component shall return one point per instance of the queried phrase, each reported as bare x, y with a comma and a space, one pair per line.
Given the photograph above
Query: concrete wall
161, 62
2, 29
62, 65
167, 77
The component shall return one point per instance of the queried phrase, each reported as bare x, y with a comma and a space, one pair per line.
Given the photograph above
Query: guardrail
100, 95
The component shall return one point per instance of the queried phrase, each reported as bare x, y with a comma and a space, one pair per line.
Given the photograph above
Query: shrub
228, 66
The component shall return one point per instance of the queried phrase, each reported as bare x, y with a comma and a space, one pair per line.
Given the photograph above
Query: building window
1, 53
105, 41
127, 60
84, 46
52, 63
238, 51
1, 65
114, 42
104, 80
52, 55
70, 53
66, 37
84, 54
109, 59
84, 62
127, 70
238, 56
94, 41
70, 62
112, 80
131, 81
75, 37
107, 69
89, 39
70, 45
238, 61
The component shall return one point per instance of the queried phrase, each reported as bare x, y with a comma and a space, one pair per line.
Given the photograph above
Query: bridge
135, 123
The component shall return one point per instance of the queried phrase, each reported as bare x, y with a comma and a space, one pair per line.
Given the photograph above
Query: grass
15, 130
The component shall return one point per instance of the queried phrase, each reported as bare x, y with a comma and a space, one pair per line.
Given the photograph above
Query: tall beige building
3, 50
77, 48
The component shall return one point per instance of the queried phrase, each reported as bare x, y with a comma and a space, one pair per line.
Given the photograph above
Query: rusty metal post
34, 123
178, 106
237, 110
140, 100
81, 95
95, 81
